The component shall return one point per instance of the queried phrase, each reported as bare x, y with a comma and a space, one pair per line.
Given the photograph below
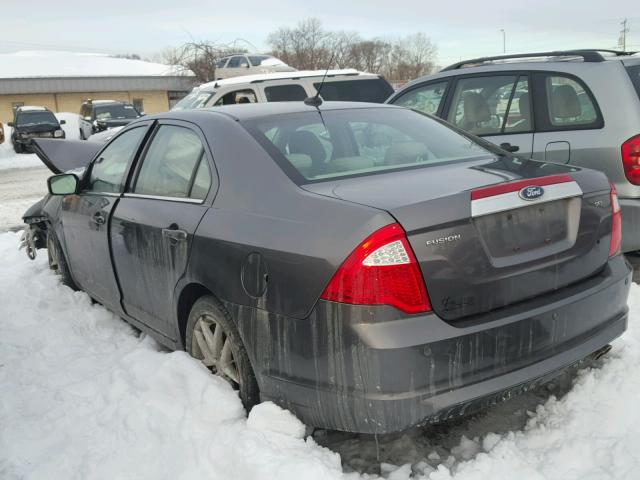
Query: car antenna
316, 101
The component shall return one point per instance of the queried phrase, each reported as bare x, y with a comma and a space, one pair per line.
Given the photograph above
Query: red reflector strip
518, 185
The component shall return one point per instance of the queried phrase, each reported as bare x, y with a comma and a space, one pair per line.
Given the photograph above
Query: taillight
616, 223
382, 270
631, 159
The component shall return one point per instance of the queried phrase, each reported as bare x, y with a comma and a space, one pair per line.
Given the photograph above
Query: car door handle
509, 148
174, 235
98, 218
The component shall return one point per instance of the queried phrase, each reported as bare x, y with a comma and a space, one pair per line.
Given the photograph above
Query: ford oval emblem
531, 193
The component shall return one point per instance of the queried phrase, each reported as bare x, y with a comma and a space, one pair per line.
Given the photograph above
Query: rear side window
172, 164
634, 73
238, 61
492, 105
426, 99
568, 103
238, 96
375, 90
285, 93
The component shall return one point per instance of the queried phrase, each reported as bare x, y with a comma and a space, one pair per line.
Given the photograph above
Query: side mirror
10, 124
63, 122
63, 184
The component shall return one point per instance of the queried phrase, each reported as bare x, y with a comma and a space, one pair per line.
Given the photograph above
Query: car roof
102, 102
30, 108
265, 77
249, 111
533, 61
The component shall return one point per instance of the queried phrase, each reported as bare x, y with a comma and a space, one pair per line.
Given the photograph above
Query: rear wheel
57, 260
82, 135
212, 338
18, 147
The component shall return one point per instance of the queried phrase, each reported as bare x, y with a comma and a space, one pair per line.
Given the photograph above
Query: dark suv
32, 122
99, 115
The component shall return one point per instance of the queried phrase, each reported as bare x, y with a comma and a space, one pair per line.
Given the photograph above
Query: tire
208, 313
57, 260
18, 147
82, 135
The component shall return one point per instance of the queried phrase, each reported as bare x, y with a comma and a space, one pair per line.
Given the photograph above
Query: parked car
575, 107
33, 122
241, 64
344, 85
99, 115
365, 266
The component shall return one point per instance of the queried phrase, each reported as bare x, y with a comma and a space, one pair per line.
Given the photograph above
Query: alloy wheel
212, 346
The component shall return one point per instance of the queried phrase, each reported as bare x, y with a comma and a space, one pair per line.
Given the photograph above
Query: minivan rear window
375, 90
634, 73
285, 93
323, 145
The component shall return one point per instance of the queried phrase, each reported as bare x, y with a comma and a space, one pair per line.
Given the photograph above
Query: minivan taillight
616, 223
631, 159
382, 270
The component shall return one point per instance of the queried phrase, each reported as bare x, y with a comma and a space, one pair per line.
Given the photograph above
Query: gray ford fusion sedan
367, 267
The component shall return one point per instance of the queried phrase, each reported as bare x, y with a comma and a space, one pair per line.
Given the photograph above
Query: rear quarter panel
267, 243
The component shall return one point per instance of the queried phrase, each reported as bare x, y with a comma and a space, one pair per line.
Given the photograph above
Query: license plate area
530, 232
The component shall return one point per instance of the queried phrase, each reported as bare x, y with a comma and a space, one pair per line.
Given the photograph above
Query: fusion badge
441, 240
531, 193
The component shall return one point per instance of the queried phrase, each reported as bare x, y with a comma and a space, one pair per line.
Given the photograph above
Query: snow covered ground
84, 396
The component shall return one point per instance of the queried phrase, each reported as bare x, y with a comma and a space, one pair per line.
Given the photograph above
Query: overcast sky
461, 28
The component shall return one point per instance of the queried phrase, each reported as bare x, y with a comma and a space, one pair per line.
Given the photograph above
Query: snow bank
84, 396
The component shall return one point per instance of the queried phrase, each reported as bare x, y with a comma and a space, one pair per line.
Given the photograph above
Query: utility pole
622, 40
504, 40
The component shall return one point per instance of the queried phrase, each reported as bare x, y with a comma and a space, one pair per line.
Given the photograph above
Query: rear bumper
358, 369
630, 224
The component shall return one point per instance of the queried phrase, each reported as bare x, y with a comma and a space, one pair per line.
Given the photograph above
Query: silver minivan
577, 107
339, 85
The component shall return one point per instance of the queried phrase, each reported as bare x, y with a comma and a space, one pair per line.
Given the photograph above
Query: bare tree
307, 46
200, 57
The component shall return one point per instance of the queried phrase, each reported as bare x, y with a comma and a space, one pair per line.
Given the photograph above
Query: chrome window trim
99, 194
169, 199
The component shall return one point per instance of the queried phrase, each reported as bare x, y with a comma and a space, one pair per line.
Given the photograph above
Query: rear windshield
375, 90
318, 146
35, 118
634, 72
195, 99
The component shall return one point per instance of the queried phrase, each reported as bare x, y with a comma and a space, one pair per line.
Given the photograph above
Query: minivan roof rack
586, 54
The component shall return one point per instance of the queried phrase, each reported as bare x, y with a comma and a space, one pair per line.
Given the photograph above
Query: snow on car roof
31, 108
261, 77
41, 64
